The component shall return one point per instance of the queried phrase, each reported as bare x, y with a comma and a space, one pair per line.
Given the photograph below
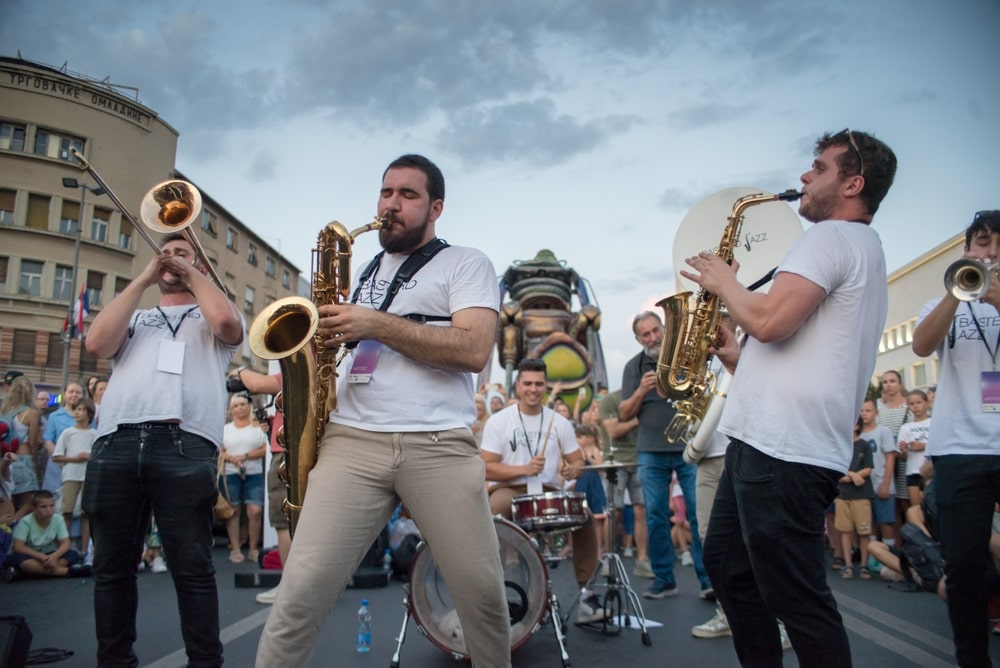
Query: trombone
168, 207
969, 279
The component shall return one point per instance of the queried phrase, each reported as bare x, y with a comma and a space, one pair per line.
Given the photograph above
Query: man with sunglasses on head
964, 441
527, 440
791, 442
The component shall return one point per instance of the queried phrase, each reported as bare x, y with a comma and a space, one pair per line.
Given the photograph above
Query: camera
234, 384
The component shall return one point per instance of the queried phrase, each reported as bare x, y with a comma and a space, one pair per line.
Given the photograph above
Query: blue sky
590, 128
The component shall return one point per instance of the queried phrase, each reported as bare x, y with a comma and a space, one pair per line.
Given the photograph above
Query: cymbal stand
612, 569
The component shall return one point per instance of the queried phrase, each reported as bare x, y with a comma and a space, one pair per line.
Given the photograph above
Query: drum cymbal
607, 466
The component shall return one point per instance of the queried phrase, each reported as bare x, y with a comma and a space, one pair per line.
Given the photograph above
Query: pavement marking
244, 626
898, 625
901, 647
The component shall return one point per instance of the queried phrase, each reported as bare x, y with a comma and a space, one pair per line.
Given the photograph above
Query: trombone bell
968, 279
170, 206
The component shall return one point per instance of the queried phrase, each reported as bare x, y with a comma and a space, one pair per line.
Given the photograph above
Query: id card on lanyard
171, 355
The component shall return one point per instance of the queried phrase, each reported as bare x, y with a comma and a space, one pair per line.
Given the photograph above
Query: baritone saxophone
286, 331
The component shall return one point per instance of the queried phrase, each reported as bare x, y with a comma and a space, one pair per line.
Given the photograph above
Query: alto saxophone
286, 331
682, 371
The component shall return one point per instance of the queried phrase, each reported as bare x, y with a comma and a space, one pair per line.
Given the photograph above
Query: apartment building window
23, 353
252, 254
95, 286
284, 278
208, 222
249, 299
12, 136
53, 144
919, 374
99, 224
55, 349
232, 238
7, 206
30, 281
38, 212
63, 288
270, 267
125, 234
70, 217
120, 285
4, 263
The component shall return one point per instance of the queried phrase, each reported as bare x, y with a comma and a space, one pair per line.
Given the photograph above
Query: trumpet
969, 279
168, 207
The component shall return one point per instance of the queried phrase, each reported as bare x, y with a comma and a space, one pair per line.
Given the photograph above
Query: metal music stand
612, 570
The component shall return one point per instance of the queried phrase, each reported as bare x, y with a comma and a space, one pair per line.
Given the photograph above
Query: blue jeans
171, 473
655, 472
764, 552
967, 486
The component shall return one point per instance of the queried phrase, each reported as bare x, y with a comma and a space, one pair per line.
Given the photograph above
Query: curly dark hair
865, 156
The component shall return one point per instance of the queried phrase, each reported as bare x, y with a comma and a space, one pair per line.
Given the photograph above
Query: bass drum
526, 578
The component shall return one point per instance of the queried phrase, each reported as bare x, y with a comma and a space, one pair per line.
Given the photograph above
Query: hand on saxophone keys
713, 272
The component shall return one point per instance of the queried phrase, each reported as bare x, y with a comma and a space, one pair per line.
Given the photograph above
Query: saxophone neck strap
404, 274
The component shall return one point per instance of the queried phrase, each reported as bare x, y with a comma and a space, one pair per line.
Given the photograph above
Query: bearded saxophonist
794, 398
401, 429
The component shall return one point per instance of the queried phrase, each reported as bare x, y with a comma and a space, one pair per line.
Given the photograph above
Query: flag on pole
81, 309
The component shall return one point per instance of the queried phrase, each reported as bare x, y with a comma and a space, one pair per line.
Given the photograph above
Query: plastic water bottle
364, 636
387, 565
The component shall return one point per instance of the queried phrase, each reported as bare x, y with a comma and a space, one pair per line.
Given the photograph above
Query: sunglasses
854, 146
986, 213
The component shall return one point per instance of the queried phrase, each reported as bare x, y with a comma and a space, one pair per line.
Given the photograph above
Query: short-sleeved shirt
241, 440
881, 442
73, 442
517, 438
655, 412
914, 431
39, 538
860, 459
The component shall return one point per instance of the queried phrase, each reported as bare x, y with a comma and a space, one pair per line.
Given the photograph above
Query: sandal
838, 563
846, 573
865, 573
236, 557
253, 555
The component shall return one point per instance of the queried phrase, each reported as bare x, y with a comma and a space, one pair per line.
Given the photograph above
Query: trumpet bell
170, 206
968, 279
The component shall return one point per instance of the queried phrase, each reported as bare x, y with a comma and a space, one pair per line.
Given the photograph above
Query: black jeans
765, 556
966, 487
171, 473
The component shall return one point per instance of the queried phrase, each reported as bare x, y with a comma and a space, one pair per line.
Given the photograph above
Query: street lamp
70, 182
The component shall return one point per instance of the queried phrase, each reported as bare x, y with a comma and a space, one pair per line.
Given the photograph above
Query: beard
652, 350
819, 206
398, 239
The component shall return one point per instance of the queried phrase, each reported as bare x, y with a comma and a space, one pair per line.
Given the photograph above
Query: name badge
171, 357
365, 360
990, 384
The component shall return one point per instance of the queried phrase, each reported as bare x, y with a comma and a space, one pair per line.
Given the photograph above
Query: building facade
60, 234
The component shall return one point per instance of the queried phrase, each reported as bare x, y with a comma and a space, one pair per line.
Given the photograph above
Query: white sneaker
628, 552
158, 565
267, 597
785, 642
590, 609
716, 627
686, 559
643, 569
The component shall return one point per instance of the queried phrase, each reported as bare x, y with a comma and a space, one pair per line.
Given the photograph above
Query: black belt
150, 426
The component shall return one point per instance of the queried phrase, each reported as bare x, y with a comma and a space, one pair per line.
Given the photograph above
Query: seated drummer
526, 440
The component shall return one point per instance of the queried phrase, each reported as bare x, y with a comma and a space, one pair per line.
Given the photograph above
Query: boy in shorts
853, 512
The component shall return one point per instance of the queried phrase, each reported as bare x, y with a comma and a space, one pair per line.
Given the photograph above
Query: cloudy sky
589, 128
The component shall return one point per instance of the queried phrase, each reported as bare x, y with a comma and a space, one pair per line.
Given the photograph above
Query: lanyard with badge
989, 380
171, 355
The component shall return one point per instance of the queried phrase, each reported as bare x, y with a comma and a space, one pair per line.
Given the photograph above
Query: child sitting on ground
853, 512
41, 543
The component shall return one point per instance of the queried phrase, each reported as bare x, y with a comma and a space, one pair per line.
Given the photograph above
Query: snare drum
549, 511
527, 582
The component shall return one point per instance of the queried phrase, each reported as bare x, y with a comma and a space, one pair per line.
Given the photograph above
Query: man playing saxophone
791, 441
401, 431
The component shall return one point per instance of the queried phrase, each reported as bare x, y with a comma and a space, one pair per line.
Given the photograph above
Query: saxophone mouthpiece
789, 195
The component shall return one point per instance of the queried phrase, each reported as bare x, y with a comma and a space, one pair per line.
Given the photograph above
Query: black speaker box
15, 641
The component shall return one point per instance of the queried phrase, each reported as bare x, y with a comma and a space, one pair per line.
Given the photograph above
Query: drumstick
548, 431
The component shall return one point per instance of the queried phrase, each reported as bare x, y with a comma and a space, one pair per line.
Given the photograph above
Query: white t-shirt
517, 438
71, 443
914, 431
882, 442
138, 392
960, 427
403, 394
797, 400
241, 440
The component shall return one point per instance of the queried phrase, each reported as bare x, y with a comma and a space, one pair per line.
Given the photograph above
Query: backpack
9, 441
921, 553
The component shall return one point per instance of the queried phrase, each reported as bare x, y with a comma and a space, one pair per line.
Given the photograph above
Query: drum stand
612, 569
